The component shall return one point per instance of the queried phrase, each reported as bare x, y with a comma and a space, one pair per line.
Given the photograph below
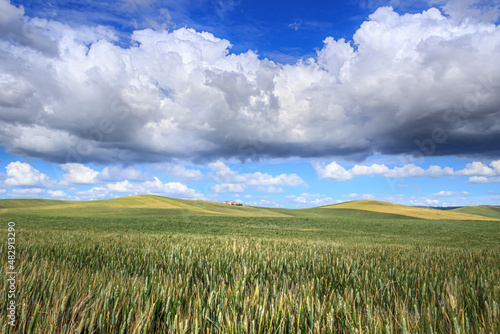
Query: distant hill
482, 210
410, 211
144, 205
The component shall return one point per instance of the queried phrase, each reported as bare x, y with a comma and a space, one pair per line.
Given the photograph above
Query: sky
278, 104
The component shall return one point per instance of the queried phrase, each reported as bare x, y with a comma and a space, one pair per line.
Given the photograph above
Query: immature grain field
176, 270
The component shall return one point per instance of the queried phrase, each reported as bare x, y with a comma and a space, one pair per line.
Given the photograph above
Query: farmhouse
230, 202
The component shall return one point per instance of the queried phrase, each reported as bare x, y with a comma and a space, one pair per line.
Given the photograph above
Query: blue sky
282, 104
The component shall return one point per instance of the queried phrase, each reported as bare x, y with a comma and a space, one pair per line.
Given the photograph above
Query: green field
486, 211
149, 264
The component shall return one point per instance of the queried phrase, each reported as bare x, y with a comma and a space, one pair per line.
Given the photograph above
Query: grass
423, 213
486, 211
134, 269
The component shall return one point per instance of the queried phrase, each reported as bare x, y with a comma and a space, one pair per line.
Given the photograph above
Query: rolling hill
409, 211
157, 205
138, 204
482, 210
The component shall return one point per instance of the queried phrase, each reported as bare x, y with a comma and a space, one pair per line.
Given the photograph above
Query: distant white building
230, 202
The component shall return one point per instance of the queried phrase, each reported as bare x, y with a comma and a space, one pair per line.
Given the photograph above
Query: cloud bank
423, 84
478, 171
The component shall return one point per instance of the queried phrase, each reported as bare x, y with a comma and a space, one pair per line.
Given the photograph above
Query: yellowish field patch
424, 213
124, 202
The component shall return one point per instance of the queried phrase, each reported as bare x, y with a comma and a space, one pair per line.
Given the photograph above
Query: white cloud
334, 171
270, 190
27, 193
488, 11
114, 173
224, 174
496, 165
123, 187
181, 173
309, 200
310, 195
483, 179
437, 171
232, 181
156, 187
481, 173
361, 197
22, 174
264, 179
173, 189
59, 194
264, 203
322, 201
424, 202
78, 174
182, 94
94, 193
477, 168
444, 193
432, 201
228, 188
297, 199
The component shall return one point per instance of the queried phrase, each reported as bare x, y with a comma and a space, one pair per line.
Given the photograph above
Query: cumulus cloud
21, 174
423, 201
94, 193
297, 199
172, 189
419, 83
310, 195
271, 190
322, 201
483, 179
114, 173
228, 188
488, 11
445, 193
481, 173
310, 200
334, 171
155, 187
59, 194
232, 181
35, 183
180, 172
478, 169
264, 203
26, 193
78, 174
355, 196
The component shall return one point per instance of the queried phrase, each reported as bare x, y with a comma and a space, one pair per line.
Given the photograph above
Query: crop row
141, 283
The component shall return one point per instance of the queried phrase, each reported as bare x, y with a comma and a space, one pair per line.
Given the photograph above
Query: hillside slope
482, 210
149, 205
137, 204
410, 211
